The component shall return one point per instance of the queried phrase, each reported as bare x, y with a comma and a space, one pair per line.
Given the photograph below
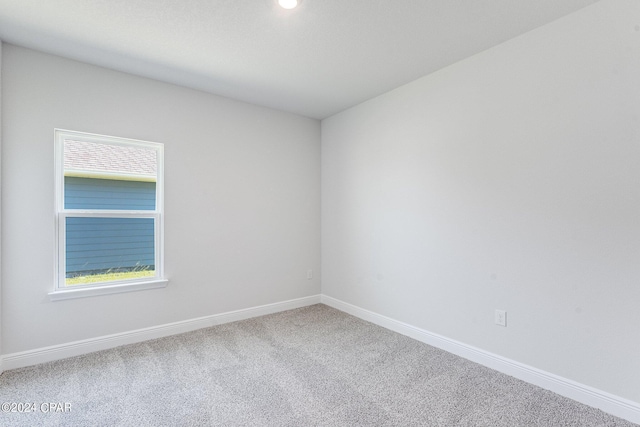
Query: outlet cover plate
501, 317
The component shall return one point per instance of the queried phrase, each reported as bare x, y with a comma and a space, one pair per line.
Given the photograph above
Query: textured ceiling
316, 60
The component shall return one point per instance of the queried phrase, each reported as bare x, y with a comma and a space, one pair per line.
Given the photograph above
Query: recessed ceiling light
288, 4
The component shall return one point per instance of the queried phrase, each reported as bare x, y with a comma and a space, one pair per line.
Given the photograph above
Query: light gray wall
507, 181
1, 323
242, 199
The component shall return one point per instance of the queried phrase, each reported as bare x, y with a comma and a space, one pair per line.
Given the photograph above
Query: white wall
1, 368
509, 180
242, 199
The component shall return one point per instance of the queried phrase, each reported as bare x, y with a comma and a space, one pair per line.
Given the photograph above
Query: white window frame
61, 291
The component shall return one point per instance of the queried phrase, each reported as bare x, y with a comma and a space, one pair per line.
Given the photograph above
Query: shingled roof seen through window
94, 157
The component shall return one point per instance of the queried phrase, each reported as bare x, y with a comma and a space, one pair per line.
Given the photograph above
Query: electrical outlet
501, 318
309, 274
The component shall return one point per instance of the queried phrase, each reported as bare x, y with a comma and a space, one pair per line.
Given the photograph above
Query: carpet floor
313, 366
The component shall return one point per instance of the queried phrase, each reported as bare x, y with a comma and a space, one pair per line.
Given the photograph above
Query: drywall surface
1, 369
242, 194
507, 181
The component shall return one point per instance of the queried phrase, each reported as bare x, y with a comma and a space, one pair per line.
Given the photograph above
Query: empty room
320, 213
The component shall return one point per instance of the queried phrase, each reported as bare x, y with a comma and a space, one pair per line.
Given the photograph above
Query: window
109, 215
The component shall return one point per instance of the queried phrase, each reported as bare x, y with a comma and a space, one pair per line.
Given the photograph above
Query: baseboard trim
607, 402
77, 348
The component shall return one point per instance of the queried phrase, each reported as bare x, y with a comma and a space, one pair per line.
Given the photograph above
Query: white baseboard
76, 348
607, 402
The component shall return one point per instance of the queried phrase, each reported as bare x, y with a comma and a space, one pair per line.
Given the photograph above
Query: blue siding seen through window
97, 245
91, 193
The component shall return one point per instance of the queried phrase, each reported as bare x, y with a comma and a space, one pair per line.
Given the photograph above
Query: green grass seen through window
108, 277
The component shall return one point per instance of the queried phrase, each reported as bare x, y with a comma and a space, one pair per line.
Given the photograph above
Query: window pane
106, 176
107, 249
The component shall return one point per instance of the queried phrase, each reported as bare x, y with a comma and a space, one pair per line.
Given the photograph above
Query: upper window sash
62, 135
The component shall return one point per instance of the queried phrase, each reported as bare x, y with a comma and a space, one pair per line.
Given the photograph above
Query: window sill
62, 294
